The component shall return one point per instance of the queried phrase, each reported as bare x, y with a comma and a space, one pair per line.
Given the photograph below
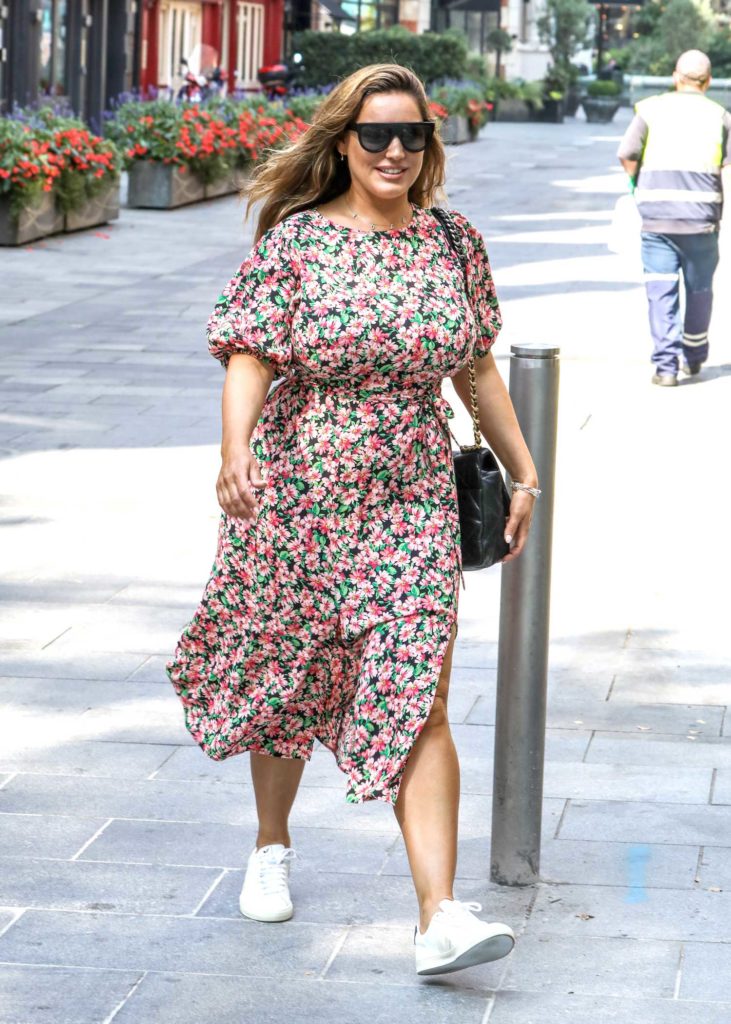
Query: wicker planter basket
30, 224
157, 186
100, 209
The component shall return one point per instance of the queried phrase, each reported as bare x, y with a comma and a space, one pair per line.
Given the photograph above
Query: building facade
237, 35
82, 51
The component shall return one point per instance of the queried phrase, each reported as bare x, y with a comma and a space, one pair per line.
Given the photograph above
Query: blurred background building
90, 51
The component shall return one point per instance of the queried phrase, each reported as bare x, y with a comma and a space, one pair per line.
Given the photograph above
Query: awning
336, 10
471, 5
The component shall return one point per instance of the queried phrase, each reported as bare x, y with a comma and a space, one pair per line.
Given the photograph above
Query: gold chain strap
475, 412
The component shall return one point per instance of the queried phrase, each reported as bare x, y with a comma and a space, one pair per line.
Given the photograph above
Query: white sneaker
265, 892
456, 939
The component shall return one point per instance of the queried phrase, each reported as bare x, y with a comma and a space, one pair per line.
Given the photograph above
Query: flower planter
157, 186
455, 130
553, 111
571, 102
511, 109
600, 109
32, 223
223, 187
100, 209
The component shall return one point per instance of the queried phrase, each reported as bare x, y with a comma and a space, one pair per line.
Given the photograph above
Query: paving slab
705, 972
651, 749
231, 1000
572, 1008
584, 912
598, 862
385, 955
157, 943
714, 871
55, 755
76, 665
42, 835
650, 823
58, 995
595, 966
722, 787
318, 849
145, 889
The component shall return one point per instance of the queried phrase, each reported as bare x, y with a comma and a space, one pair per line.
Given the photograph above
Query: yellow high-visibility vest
680, 169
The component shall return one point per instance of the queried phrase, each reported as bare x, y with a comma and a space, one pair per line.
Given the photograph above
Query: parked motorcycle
278, 80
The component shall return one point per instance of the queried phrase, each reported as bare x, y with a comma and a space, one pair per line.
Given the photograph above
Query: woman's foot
265, 893
456, 939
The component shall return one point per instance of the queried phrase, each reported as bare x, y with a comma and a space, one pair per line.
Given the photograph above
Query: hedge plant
330, 56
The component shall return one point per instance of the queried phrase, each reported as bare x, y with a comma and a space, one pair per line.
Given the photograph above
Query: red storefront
244, 33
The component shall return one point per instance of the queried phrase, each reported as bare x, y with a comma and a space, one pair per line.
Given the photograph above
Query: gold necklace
356, 216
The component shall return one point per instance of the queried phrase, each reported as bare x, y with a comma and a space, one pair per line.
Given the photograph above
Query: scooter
278, 80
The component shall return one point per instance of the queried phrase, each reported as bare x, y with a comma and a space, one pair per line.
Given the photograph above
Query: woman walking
331, 611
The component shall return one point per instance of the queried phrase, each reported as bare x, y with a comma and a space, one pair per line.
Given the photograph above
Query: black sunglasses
375, 136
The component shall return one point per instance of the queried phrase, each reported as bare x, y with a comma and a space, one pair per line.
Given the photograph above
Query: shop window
52, 79
249, 44
180, 34
367, 15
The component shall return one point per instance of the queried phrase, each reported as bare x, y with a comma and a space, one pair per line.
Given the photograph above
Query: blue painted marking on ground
638, 857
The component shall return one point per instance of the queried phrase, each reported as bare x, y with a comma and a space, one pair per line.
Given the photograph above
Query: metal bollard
522, 675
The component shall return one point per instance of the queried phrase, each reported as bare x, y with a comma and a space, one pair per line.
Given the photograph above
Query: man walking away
675, 149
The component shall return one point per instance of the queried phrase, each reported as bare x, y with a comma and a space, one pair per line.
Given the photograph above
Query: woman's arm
244, 392
499, 425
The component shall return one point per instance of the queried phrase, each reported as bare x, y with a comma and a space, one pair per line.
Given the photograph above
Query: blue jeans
663, 259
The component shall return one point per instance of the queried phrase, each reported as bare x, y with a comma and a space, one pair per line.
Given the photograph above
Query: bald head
693, 70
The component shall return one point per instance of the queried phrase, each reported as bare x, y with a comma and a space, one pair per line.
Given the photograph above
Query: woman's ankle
273, 838
428, 909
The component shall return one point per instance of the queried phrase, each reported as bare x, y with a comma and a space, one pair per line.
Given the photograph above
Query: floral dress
328, 617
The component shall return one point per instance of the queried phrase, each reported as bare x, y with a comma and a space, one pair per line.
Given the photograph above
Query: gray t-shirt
632, 147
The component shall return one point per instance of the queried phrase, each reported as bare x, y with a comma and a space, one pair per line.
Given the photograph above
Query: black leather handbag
482, 497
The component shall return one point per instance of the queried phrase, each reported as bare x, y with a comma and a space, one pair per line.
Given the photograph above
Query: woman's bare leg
427, 807
275, 786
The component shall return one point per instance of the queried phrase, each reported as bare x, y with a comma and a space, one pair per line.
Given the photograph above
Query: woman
332, 609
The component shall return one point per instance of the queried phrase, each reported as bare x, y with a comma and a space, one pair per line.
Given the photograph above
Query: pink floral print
329, 616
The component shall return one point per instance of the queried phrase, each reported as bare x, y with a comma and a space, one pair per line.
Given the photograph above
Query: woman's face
388, 175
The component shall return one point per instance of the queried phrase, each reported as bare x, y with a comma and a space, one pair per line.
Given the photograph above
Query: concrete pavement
122, 846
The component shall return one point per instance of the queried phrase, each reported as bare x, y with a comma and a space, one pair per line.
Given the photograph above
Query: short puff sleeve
480, 287
254, 312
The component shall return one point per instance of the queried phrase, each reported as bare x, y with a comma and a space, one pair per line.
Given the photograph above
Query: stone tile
547, 1008
66, 665
51, 995
624, 717
705, 972
584, 912
83, 885
610, 863
152, 670
53, 756
626, 782
318, 849
190, 763
180, 944
650, 749
671, 677
40, 835
596, 966
386, 955
715, 868
188, 1000
647, 823
722, 787
99, 797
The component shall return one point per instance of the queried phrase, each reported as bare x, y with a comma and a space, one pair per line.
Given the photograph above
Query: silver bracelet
535, 491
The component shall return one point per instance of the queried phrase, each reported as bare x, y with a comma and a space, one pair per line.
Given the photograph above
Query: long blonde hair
309, 172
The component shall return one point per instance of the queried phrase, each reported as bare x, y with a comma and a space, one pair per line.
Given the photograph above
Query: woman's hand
238, 481
518, 523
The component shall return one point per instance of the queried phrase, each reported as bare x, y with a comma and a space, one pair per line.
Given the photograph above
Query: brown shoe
665, 380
